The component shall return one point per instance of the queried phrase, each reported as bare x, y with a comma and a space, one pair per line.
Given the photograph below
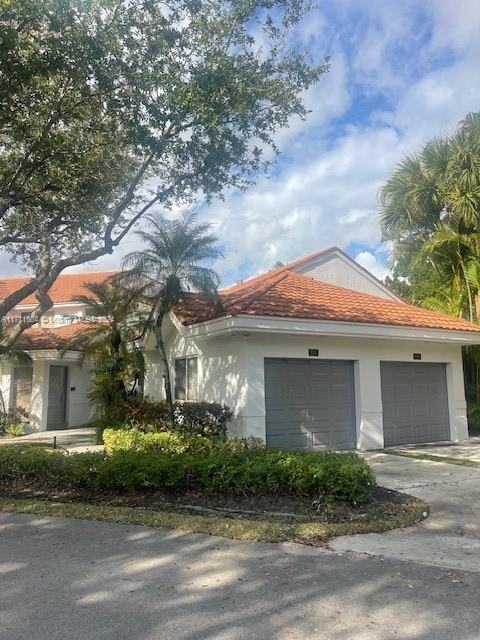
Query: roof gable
336, 267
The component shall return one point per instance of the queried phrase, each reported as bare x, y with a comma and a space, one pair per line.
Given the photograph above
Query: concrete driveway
450, 537
465, 450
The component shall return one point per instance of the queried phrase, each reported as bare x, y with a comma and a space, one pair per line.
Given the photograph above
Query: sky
401, 73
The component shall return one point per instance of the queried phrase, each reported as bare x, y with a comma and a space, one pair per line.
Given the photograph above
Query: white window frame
187, 397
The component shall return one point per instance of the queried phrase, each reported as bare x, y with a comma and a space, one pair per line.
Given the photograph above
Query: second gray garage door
415, 405
310, 404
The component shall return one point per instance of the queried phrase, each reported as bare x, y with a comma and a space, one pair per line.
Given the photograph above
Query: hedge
327, 477
173, 442
207, 419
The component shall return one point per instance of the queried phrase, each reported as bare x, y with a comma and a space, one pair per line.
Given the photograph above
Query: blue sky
401, 73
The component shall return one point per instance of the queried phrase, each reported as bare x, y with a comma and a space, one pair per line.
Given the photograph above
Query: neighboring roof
286, 294
66, 287
35, 338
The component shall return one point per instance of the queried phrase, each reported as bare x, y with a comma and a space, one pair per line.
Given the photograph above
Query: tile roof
273, 272
35, 338
66, 287
286, 294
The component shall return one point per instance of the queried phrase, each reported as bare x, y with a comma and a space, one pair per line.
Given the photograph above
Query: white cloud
328, 199
371, 263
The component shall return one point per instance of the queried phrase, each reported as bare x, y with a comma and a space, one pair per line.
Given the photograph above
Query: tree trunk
166, 368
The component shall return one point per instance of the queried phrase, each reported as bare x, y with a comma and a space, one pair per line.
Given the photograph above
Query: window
21, 389
186, 379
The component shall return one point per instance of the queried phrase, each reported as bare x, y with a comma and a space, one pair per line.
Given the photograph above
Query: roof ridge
265, 289
272, 272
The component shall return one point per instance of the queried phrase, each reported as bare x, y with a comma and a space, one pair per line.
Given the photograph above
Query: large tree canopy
111, 107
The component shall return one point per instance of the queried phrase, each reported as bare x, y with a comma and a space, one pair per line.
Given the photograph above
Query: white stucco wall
79, 410
231, 371
222, 372
335, 269
367, 355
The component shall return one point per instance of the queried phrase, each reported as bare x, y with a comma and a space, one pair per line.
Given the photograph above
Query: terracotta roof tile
273, 272
66, 288
286, 294
56, 338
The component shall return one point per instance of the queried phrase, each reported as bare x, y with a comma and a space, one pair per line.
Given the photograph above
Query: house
54, 387
319, 354
315, 354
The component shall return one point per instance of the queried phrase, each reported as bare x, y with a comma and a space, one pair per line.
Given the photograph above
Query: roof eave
242, 324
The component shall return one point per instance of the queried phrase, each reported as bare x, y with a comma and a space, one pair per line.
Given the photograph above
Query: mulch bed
279, 508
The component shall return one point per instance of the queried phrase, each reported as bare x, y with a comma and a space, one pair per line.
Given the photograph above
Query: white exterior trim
265, 324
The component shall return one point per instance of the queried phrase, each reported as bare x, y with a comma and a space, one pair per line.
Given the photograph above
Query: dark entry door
57, 397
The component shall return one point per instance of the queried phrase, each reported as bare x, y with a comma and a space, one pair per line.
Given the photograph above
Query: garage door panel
415, 406
289, 441
317, 411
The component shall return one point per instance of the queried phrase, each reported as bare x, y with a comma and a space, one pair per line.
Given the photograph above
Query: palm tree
454, 253
171, 264
440, 183
115, 324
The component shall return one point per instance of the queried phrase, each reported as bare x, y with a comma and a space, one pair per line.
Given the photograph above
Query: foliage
111, 343
172, 262
430, 209
324, 477
15, 430
12, 420
108, 109
191, 418
173, 442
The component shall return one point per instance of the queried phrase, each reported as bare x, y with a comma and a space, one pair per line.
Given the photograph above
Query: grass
377, 518
433, 458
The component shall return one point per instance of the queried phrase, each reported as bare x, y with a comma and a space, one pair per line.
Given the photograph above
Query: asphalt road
72, 579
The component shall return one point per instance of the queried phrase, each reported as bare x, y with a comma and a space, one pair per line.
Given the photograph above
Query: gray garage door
415, 405
310, 404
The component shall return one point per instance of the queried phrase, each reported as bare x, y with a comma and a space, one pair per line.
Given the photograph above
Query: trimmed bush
191, 418
327, 477
172, 442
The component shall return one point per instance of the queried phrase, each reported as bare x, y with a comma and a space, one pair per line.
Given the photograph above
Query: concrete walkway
466, 450
450, 537
81, 439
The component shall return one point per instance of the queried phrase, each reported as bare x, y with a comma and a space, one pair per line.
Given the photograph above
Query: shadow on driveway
79, 579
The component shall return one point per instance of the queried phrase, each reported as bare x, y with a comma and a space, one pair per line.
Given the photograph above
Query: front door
57, 397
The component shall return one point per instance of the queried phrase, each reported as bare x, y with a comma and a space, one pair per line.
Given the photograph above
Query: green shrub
191, 418
12, 421
15, 430
173, 442
50, 468
327, 477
